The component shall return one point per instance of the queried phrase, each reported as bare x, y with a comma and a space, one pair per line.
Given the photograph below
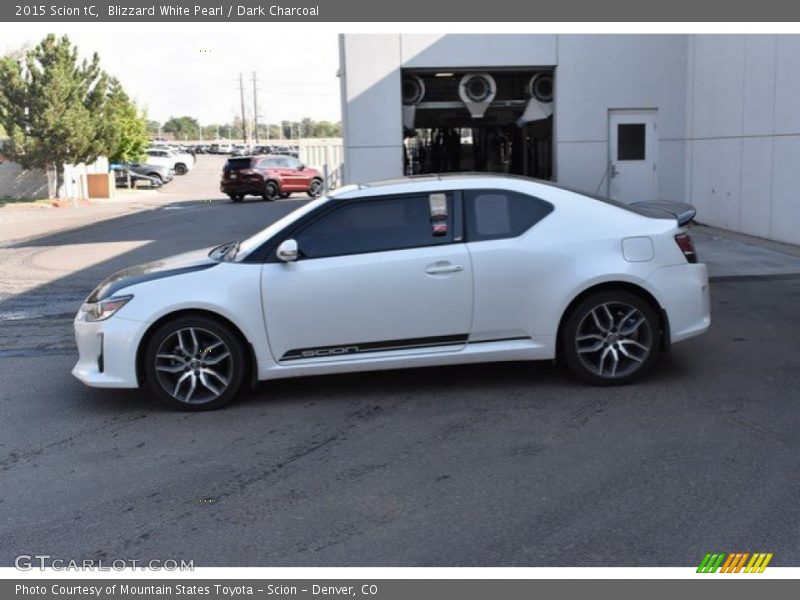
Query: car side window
379, 225
293, 163
499, 214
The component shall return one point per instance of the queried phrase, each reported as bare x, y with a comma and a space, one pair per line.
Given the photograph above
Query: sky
197, 74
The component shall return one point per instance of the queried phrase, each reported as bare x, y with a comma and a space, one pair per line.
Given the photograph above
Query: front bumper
107, 352
685, 296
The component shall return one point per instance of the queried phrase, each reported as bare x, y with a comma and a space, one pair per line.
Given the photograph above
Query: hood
188, 262
681, 211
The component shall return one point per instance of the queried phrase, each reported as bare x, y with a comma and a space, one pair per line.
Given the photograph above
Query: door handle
443, 268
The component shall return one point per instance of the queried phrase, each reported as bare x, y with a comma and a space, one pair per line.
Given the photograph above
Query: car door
374, 277
289, 175
511, 274
301, 177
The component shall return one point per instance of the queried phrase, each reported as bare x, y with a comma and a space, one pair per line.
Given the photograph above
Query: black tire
601, 342
315, 188
236, 197
211, 374
271, 191
156, 176
180, 169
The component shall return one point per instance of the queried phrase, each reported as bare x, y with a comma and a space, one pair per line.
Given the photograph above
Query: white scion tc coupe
415, 272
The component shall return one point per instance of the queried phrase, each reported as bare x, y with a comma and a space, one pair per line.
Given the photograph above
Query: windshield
253, 242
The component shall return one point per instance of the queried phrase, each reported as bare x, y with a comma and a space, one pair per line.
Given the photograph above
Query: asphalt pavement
494, 465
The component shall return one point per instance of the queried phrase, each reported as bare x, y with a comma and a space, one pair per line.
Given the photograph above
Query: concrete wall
597, 73
743, 132
371, 115
16, 182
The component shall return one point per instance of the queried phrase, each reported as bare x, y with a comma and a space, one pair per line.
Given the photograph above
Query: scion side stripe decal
385, 346
359, 348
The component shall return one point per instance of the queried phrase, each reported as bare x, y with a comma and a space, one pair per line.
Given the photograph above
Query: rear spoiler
683, 212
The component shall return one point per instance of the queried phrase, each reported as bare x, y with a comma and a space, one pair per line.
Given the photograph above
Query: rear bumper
685, 296
241, 187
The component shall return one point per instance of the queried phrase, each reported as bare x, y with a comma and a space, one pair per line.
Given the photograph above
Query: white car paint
167, 157
507, 296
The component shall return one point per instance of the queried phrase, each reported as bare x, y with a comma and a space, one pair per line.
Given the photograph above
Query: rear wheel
180, 169
315, 188
611, 338
194, 363
271, 191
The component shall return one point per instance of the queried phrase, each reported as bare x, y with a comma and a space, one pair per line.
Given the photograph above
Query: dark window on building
373, 226
497, 214
630, 141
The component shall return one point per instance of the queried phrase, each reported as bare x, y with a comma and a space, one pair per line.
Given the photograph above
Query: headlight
102, 310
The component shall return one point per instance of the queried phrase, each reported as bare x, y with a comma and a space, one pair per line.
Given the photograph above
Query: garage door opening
478, 120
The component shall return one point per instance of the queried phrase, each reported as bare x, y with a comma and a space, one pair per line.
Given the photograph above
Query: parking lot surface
502, 464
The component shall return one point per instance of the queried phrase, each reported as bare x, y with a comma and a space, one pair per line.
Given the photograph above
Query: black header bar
444, 11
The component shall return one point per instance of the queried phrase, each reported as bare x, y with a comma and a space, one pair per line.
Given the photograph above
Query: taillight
686, 245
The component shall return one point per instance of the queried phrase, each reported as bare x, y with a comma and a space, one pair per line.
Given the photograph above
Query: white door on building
632, 155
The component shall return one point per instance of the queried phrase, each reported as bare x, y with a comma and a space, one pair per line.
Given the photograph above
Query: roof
451, 176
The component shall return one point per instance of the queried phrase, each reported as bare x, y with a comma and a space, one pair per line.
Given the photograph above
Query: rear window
237, 163
499, 214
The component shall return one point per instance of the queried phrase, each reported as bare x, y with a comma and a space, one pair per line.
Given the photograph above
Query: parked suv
180, 162
269, 177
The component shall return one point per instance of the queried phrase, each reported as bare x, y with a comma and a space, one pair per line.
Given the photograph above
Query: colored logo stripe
734, 562
711, 563
758, 563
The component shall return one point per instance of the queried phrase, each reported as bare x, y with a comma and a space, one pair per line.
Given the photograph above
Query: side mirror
301, 166
288, 251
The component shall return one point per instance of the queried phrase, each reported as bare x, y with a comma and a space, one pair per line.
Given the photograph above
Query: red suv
270, 177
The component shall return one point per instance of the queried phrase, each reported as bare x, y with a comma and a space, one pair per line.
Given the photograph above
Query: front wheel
315, 188
611, 338
180, 169
194, 363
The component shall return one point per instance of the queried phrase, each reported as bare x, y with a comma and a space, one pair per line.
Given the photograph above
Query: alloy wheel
194, 365
613, 340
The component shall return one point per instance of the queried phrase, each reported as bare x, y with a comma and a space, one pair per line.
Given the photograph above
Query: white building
709, 119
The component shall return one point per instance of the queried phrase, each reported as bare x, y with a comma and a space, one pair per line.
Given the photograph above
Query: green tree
51, 106
129, 126
326, 129
211, 132
183, 128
